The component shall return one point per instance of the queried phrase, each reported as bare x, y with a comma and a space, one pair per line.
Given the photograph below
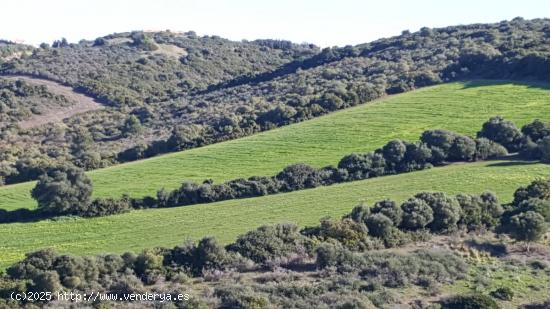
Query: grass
462, 107
527, 284
226, 220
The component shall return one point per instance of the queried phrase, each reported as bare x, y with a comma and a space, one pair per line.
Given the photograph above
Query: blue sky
325, 23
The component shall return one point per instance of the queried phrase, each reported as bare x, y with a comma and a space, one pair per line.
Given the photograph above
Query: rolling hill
170, 91
226, 110
461, 106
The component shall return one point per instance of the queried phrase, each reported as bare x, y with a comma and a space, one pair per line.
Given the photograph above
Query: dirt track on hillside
82, 103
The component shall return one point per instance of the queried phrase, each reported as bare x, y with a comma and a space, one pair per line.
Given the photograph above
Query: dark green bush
503, 293
475, 301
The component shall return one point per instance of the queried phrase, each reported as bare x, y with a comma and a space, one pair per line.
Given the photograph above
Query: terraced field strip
226, 220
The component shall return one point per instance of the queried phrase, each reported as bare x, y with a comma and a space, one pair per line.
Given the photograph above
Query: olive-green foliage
539, 188
539, 206
379, 225
270, 242
503, 293
536, 130
65, 190
390, 209
487, 149
474, 301
526, 226
480, 211
359, 213
417, 214
351, 234
503, 132
446, 210
544, 148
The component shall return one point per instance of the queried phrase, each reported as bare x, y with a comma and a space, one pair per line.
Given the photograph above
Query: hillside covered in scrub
407, 172
161, 92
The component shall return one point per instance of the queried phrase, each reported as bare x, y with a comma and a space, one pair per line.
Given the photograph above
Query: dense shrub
463, 149
270, 242
526, 226
503, 132
440, 141
299, 176
359, 213
363, 166
390, 209
379, 225
351, 234
536, 130
65, 190
503, 293
107, 206
206, 255
417, 214
539, 206
544, 149
480, 211
446, 210
539, 188
487, 149
475, 301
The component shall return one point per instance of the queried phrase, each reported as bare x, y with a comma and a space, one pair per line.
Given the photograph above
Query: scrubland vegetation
218, 89
347, 258
436, 198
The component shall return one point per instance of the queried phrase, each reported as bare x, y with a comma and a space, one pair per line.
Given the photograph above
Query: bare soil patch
82, 103
170, 50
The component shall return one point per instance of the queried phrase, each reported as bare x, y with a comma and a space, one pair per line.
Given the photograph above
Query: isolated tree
417, 214
65, 190
503, 132
527, 226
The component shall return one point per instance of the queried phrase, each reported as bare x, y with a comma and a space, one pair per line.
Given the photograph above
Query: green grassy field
322, 141
226, 220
